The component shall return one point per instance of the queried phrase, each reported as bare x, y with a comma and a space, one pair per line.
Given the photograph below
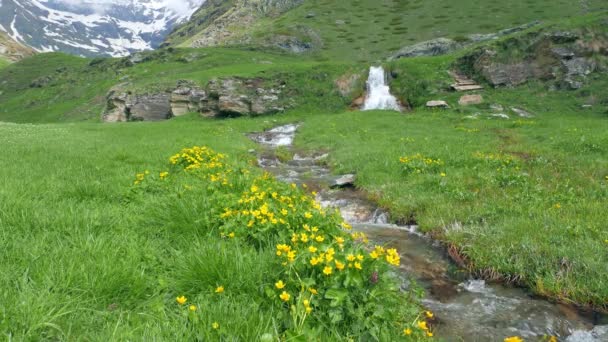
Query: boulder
467, 100
343, 181
437, 104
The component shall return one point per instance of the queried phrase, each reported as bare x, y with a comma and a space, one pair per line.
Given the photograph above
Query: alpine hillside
93, 28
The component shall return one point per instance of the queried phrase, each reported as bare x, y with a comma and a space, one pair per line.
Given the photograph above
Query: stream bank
467, 309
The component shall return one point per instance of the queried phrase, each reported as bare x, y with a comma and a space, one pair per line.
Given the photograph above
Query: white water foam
378, 92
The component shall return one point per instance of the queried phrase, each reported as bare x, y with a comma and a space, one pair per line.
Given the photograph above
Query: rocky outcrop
443, 46
219, 98
566, 58
435, 47
123, 106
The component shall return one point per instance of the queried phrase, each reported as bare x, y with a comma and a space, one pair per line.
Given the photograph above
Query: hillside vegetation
363, 30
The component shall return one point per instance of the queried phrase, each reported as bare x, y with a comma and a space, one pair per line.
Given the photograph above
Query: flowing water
378, 92
467, 309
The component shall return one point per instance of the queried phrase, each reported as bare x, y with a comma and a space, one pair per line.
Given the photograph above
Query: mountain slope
11, 51
93, 28
361, 29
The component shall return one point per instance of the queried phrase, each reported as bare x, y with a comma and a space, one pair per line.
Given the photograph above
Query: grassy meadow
523, 199
99, 243
104, 238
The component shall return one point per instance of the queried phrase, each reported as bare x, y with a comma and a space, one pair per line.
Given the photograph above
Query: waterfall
378, 92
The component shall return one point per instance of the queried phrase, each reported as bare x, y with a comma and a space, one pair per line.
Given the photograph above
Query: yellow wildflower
374, 255
407, 332
164, 175
327, 270
315, 261
307, 215
422, 325
219, 289
231, 235
181, 300
313, 291
319, 238
339, 265
312, 249
429, 314
285, 296
513, 339
429, 334
350, 258
192, 308
358, 266
215, 325
340, 240
279, 284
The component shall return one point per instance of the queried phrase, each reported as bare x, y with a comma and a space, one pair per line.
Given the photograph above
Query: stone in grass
522, 113
497, 107
500, 116
437, 104
473, 99
343, 181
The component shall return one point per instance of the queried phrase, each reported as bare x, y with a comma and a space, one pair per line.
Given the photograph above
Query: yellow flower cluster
140, 177
206, 159
419, 163
316, 250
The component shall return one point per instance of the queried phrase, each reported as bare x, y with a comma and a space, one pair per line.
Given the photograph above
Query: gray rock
500, 74
522, 113
562, 37
292, 44
435, 47
500, 116
579, 66
310, 15
343, 181
153, 107
437, 104
497, 107
563, 52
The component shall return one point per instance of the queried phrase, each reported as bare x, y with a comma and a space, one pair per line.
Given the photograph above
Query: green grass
535, 217
87, 258
372, 30
4, 62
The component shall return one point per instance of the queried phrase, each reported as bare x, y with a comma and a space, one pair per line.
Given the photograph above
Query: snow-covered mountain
93, 27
